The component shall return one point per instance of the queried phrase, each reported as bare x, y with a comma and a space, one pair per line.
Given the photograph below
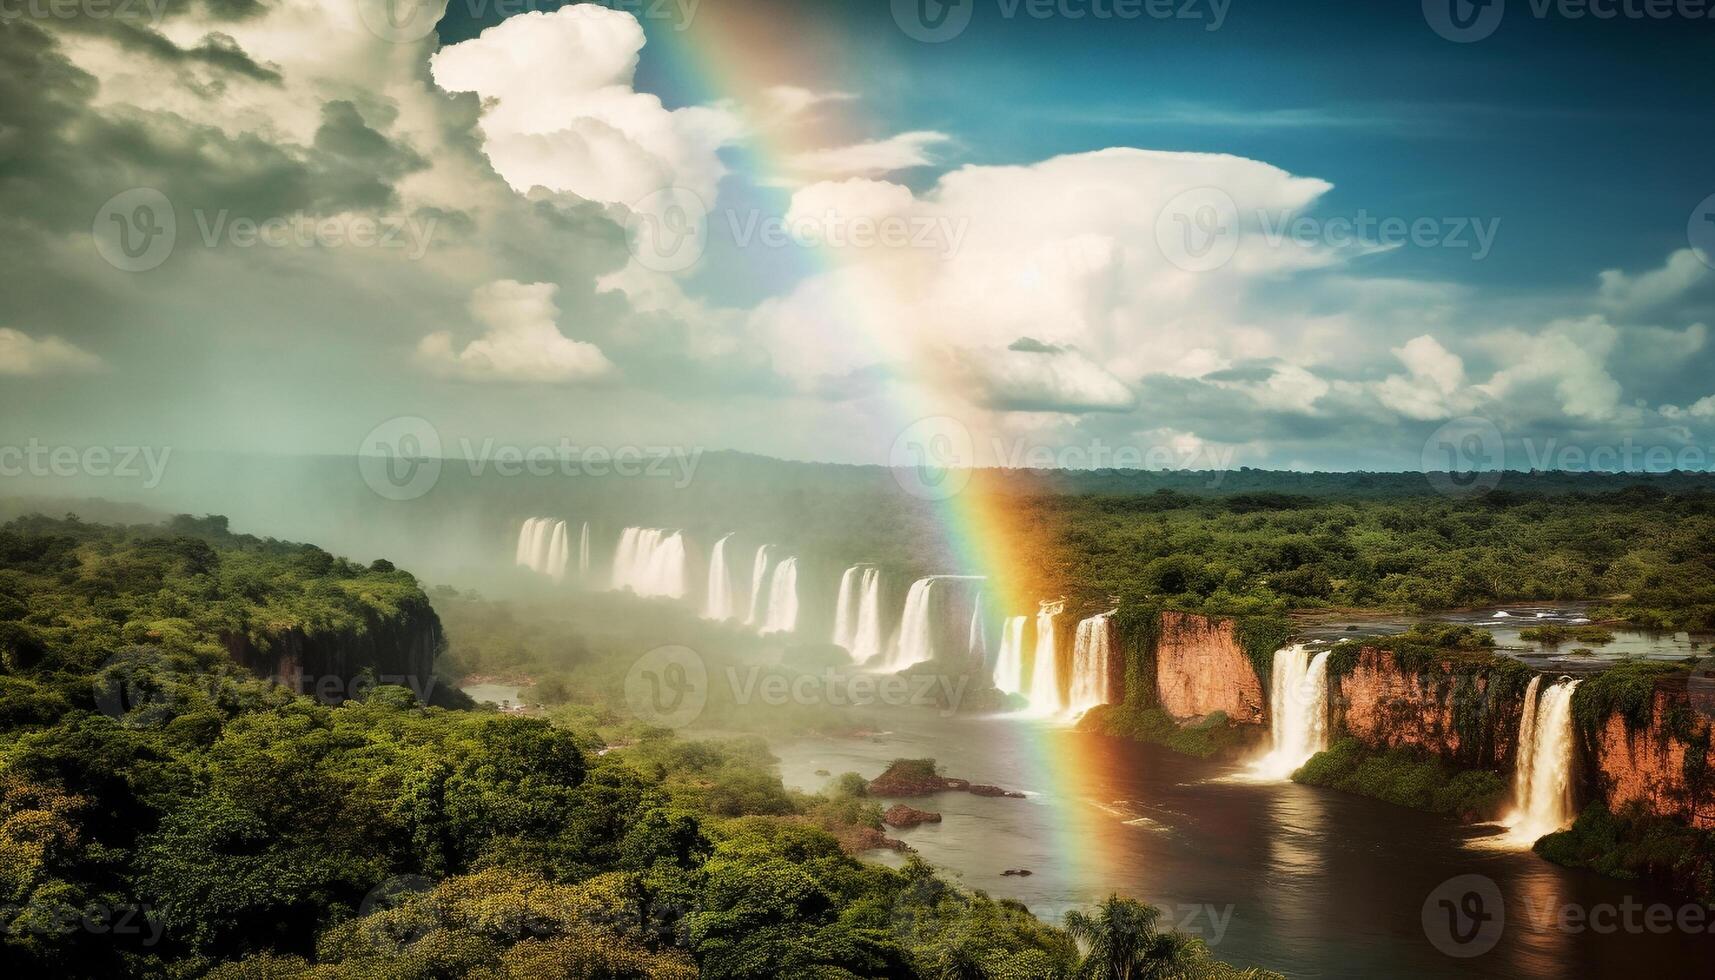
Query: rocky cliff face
395, 650
1457, 718
1649, 765
1200, 667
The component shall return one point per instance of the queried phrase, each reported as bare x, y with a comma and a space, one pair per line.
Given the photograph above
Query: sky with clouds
1268, 235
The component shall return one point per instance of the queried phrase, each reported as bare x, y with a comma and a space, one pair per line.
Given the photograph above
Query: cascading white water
522, 556
758, 579
1542, 778
584, 551
867, 638
1092, 665
1297, 711
916, 632
720, 601
976, 642
1009, 663
650, 562
846, 606
1045, 669
555, 564
783, 599
542, 547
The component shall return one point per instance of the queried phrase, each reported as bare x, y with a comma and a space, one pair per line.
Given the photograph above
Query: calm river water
1305, 881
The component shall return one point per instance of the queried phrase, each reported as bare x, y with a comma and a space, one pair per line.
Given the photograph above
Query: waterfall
857, 617
846, 606
758, 573
1297, 711
522, 556
555, 564
720, 601
650, 562
1542, 779
1044, 671
542, 547
584, 551
867, 640
1009, 664
1092, 665
976, 642
783, 599
916, 641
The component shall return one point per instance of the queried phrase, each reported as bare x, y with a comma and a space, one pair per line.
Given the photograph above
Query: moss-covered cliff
75, 597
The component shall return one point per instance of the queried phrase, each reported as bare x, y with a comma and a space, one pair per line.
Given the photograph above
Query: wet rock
905, 817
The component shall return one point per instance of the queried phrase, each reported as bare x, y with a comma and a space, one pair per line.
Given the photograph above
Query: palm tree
1124, 944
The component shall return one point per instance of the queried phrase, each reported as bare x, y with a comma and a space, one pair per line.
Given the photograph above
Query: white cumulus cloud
1628, 294
522, 342
560, 110
871, 158
24, 356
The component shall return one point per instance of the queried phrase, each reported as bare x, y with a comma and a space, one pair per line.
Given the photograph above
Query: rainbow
737, 54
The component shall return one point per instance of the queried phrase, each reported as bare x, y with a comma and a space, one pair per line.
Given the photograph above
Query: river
1306, 881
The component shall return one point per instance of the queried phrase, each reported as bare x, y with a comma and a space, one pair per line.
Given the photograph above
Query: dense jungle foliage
1646, 556
163, 814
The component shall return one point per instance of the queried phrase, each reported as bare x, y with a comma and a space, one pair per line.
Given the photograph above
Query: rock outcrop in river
917, 777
